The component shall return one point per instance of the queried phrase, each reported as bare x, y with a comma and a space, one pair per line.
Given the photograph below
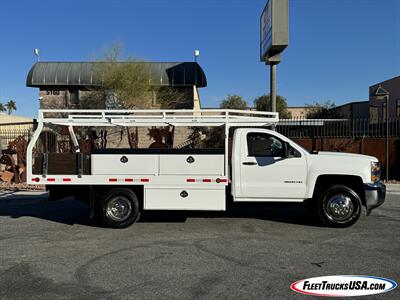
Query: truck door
266, 172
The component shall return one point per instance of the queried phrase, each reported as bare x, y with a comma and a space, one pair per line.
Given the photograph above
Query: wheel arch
102, 189
354, 182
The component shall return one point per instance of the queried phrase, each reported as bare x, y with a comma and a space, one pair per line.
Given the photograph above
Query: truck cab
268, 167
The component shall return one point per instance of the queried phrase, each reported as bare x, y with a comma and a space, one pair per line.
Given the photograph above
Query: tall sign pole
274, 38
272, 87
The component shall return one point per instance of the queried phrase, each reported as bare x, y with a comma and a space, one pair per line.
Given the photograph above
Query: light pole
196, 55
382, 94
36, 51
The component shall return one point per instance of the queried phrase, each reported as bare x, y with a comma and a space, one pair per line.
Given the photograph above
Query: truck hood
346, 155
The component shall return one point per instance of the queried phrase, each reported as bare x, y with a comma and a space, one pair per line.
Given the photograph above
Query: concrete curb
393, 188
15, 198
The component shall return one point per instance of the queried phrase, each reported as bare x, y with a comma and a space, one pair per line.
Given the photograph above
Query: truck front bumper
375, 194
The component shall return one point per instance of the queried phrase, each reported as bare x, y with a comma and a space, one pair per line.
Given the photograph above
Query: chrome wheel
119, 208
339, 207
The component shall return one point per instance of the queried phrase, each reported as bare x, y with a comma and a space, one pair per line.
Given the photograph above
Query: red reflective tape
221, 180
190, 180
128, 179
144, 180
37, 179
112, 179
206, 180
51, 179
66, 179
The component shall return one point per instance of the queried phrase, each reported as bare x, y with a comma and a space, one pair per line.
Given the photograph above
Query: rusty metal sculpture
11, 169
14, 159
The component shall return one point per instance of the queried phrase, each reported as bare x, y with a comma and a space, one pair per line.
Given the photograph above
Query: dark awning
84, 74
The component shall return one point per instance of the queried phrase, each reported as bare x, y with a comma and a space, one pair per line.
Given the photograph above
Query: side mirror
286, 151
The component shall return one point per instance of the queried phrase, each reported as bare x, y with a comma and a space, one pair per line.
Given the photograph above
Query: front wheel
119, 208
339, 206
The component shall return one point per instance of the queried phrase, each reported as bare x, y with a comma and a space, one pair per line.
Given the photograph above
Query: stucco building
353, 110
13, 126
297, 112
71, 84
377, 108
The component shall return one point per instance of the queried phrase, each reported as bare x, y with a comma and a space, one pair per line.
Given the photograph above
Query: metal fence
11, 131
292, 128
338, 128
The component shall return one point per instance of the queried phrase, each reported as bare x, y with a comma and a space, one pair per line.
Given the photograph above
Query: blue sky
337, 48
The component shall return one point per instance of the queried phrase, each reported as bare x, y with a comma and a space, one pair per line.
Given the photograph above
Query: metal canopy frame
151, 117
155, 117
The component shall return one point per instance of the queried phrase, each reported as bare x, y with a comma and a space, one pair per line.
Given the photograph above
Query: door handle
249, 163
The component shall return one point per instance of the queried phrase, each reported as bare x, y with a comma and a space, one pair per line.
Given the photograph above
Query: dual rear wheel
119, 208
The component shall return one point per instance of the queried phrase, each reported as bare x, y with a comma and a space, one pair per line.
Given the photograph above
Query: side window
262, 144
292, 152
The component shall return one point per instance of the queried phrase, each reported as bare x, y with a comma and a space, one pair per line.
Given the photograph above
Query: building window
398, 107
74, 97
373, 114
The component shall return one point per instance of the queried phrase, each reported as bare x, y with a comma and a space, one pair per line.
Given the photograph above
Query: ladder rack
154, 117
179, 117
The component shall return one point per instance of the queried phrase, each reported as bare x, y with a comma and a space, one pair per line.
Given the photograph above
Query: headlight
375, 171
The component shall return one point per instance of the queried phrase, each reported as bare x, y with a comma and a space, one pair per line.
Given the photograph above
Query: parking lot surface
52, 250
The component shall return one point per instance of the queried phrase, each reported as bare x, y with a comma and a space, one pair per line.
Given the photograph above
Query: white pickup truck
259, 164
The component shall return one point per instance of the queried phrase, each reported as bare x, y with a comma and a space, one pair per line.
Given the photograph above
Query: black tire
119, 208
338, 206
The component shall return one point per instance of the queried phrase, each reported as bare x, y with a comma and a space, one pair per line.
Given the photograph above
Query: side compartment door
266, 172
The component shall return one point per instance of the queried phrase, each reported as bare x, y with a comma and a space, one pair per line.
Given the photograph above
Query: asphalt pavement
51, 250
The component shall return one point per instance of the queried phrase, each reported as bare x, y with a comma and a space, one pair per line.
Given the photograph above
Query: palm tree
2, 107
10, 106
